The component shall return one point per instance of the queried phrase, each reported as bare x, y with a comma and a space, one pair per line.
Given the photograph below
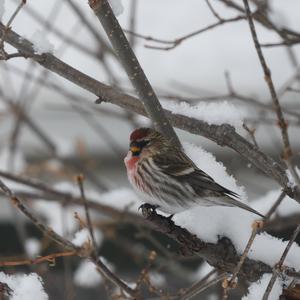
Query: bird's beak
135, 149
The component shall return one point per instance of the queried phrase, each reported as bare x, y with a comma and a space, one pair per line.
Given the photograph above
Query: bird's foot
148, 209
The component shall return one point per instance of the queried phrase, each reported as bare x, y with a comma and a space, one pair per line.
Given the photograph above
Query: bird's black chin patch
136, 153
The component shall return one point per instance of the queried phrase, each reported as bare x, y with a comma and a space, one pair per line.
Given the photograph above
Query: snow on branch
221, 254
257, 289
116, 6
220, 234
40, 43
213, 113
24, 287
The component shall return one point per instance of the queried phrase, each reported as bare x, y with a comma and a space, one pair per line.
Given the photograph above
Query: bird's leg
148, 209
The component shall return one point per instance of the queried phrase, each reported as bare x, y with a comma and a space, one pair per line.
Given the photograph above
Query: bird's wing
186, 172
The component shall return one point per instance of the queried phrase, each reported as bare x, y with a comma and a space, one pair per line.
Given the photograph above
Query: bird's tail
233, 202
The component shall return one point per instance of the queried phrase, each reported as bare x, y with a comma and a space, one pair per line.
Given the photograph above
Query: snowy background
94, 138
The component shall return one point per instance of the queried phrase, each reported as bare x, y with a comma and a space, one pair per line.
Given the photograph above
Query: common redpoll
168, 179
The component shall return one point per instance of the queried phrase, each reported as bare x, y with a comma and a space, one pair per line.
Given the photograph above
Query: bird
168, 180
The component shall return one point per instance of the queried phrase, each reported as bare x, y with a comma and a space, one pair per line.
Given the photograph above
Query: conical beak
135, 149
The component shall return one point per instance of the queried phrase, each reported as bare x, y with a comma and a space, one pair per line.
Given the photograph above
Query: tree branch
48, 258
278, 266
223, 135
50, 193
66, 244
287, 152
221, 255
172, 44
133, 69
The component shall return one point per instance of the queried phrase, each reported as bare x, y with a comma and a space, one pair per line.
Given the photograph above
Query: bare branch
45, 229
171, 44
201, 286
3, 54
221, 255
232, 282
223, 135
251, 133
80, 179
278, 266
101, 267
133, 69
275, 206
48, 258
49, 193
287, 153
213, 10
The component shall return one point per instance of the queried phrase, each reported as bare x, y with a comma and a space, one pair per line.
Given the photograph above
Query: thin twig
200, 287
48, 258
213, 10
293, 90
251, 100
145, 271
251, 133
176, 42
88, 24
13, 16
66, 244
197, 286
278, 266
39, 18
256, 228
292, 273
232, 282
80, 179
275, 206
287, 153
50, 193
44, 228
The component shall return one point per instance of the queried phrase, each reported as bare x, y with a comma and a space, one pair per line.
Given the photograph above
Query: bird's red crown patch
139, 134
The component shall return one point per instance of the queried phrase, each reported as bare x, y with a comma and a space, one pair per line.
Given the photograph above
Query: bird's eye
146, 142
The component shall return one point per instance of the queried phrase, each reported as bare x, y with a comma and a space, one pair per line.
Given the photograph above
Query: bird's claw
148, 209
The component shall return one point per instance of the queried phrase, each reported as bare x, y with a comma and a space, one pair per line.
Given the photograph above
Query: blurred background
52, 130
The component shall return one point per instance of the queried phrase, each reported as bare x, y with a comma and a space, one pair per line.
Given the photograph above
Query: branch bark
133, 69
278, 266
221, 255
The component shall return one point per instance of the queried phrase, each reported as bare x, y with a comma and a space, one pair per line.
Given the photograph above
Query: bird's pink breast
131, 162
